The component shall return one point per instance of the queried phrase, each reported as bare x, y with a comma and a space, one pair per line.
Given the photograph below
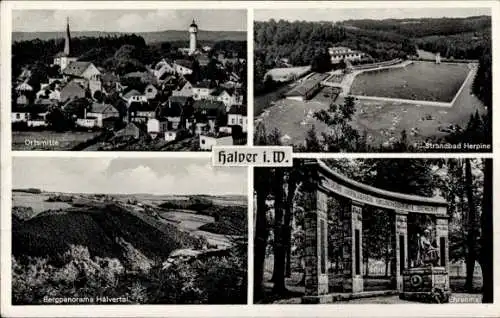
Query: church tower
67, 39
193, 30
63, 59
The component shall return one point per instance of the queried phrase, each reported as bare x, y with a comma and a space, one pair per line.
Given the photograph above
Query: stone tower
67, 39
193, 30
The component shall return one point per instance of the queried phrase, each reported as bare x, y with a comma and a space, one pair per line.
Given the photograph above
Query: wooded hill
149, 37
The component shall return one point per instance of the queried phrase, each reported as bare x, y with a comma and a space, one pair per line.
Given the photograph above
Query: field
24, 140
36, 202
382, 120
418, 81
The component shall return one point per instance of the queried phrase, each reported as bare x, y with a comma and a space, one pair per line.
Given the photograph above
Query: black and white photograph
374, 231
128, 80
374, 79
111, 231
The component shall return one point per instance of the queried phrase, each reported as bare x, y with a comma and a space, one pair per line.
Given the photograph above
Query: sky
127, 20
128, 175
348, 14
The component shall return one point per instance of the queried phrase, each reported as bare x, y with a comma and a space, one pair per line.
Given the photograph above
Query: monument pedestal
426, 284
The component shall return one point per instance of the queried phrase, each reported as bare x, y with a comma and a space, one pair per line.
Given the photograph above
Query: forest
279, 227
123, 54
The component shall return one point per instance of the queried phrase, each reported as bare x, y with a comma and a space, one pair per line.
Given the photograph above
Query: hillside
100, 230
149, 37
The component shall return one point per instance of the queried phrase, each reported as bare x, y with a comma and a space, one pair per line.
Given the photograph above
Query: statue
427, 253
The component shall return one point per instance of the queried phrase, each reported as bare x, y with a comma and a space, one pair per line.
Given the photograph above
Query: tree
312, 143
471, 233
486, 255
99, 96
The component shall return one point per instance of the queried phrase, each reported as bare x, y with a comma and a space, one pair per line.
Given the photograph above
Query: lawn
25, 140
425, 81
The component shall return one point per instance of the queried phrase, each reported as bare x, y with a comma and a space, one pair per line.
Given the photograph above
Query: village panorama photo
374, 80
104, 231
128, 80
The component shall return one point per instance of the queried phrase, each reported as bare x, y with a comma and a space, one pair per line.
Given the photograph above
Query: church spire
67, 39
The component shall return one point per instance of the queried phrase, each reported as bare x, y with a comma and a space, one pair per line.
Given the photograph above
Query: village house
210, 140
100, 112
153, 127
24, 87
203, 59
130, 130
185, 90
84, 73
183, 67
22, 99
141, 112
163, 69
227, 98
237, 116
19, 114
72, 90
33, 115
145, 77
208, 111
134, 96
150, 91
203, 90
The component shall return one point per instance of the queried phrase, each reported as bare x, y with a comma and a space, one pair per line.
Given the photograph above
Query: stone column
353, 248
316, 245
400, 248
442, 238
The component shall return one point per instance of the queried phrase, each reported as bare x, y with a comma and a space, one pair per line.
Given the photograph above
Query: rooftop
76, 68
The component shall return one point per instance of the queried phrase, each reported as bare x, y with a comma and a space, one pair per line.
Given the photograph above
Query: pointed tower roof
67, 39
193, 24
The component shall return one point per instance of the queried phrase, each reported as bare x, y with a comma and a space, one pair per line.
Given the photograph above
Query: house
82, 70
100, 112
153, 127
145, 77
72, 90
22, 99
208, 141
203, 90
307, 88
340, 53
150, 91
163, 69
171, 135
109, 81
19, 114
130, 130
183, 67
206, 111
227, 98
237, 116
141, 112
134, 96
203, 59
34, 115
185, 90
24, 87
47, 93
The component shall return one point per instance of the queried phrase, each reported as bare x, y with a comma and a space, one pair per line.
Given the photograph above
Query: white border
365, 310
